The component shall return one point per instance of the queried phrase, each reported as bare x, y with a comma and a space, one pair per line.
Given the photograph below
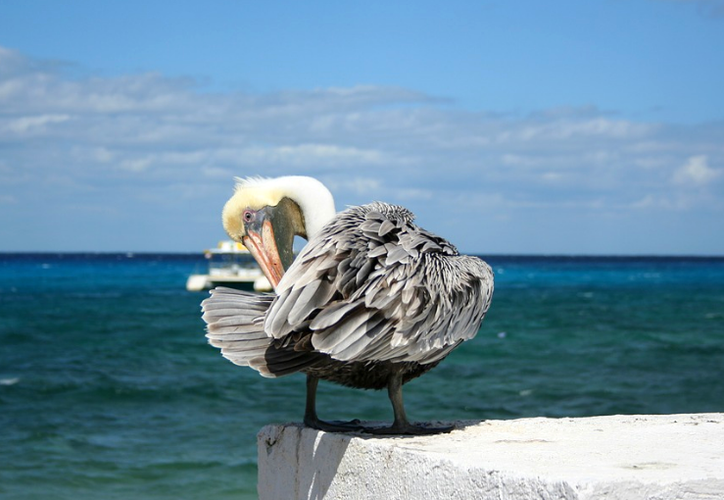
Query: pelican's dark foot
335, 426
310, 413
408, 429
401, 425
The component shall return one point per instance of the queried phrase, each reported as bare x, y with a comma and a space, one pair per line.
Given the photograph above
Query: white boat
230, 264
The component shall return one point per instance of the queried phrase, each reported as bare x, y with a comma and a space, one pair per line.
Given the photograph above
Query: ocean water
109, 390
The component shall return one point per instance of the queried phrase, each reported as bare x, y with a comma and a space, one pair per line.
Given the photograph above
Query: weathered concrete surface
617, 457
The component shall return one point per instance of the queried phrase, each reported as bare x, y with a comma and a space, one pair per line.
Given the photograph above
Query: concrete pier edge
613, 457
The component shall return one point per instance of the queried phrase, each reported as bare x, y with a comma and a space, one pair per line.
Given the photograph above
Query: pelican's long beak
270, 238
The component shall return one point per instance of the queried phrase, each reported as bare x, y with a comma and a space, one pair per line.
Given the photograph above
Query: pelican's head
265, 215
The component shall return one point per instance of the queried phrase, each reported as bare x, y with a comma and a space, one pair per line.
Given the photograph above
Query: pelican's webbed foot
310, 413
334, 426
403, 429
401, 425
408, 429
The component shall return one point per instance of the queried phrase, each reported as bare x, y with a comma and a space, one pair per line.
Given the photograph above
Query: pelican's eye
248, 216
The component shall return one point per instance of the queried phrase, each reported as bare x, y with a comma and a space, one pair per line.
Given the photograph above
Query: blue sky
562, 127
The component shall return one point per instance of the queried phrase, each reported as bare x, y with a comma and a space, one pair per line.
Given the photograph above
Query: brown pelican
372, 301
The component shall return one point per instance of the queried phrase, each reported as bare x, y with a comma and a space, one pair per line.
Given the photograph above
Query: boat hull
200, 282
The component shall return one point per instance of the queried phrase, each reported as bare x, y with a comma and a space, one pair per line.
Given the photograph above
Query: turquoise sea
109, 390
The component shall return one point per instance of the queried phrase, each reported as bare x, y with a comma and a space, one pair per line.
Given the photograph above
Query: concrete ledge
617, 457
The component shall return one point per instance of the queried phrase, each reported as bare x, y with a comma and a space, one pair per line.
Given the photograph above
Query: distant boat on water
229, 264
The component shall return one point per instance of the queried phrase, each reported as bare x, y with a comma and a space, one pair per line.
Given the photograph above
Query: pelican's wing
374, 286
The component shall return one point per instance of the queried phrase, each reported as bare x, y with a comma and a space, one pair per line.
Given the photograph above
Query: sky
518, 127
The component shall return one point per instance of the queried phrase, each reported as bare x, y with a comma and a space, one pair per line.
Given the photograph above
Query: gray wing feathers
373, 286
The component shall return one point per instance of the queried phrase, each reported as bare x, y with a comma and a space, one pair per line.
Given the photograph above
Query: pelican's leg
310, 412
401, 425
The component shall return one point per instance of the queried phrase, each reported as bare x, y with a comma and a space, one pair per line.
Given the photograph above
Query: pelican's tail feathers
235, 324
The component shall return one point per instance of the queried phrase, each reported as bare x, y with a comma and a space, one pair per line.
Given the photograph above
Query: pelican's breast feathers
373, 286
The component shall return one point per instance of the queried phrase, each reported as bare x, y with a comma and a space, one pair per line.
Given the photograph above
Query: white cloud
311, 155
94, 154
137, 165
696, 171
146, 143
365, 186
30, 124
567, 128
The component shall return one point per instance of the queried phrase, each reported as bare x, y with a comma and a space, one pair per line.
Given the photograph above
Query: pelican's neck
314, 199
311, 196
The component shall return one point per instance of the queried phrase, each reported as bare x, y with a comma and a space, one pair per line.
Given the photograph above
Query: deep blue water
109, 390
